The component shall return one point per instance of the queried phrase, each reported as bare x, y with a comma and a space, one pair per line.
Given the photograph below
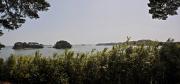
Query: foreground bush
123, 64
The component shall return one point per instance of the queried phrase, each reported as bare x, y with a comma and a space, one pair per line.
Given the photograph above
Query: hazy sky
94, 21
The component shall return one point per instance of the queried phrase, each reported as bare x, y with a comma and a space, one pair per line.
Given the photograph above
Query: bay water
49, 51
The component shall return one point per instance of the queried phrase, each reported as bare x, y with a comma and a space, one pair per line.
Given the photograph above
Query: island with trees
29, 45
62, 45
1, 46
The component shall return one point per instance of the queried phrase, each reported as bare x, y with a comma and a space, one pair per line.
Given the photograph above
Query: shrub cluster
123, 64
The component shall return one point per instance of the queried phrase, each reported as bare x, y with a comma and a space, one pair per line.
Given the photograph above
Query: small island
106, 44
29, 45
1, 46
62, 45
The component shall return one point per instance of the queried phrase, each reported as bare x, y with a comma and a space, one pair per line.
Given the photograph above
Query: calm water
47, 51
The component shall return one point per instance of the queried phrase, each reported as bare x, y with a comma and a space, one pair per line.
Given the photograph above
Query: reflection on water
48, 51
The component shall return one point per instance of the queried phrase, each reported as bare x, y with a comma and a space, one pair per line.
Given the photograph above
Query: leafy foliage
161, 9
14, 12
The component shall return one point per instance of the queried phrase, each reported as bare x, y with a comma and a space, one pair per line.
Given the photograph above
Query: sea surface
49, 51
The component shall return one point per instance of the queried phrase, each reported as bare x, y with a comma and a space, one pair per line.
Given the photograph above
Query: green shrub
123, 64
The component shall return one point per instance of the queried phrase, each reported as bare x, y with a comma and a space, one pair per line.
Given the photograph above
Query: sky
94, 21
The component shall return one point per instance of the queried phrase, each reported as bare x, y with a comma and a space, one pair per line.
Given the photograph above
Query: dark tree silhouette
161, 9
14, 12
